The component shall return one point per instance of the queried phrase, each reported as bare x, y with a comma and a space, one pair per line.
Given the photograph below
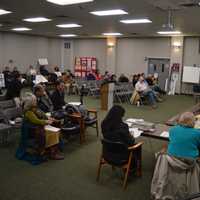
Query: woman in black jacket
114, 129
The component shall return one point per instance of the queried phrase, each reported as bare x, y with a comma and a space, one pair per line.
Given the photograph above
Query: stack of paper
75, 103
51, 128
164, 134
129, 124
133, 120
135, 132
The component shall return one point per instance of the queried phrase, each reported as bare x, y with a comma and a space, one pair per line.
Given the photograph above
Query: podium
107, 91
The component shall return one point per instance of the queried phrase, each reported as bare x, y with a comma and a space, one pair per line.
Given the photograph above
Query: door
159, 66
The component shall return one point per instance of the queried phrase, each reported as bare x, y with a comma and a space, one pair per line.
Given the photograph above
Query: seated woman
114, 129
32, 143
176, 171
184, 139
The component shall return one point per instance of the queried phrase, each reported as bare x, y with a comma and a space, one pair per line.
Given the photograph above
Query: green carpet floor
74, 177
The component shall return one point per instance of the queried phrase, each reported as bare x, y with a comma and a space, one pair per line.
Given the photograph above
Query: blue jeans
150, 96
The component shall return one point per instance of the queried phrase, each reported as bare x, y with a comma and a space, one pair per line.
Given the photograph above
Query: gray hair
187, 119
28, 101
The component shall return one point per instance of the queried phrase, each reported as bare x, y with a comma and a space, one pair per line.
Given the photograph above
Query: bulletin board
84, 65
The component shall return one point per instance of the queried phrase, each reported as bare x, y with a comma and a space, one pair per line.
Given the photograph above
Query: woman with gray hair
31, 112
184, 139
33, 138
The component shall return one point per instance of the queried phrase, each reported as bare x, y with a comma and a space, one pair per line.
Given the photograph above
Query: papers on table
164, 134
133, 120
11, 122
75, 103
40, 79
135, 132
48, 114
51, 128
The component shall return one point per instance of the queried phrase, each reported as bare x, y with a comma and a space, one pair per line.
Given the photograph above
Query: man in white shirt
143, 88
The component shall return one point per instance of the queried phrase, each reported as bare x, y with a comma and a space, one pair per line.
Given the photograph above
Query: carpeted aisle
74, 177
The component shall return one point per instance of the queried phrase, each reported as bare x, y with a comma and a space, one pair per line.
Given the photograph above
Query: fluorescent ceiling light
4, 12
68, 25
136, 21
37, 19
169, 32
112, 34
109, 12
68, 35
68, 2
21, 29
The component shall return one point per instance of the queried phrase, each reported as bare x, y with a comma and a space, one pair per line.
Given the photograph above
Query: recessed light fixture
68, 35
136, 21
68, 2
169, 32
4, 12
112, 34
21, 29
68, 25
109, 12
37, 19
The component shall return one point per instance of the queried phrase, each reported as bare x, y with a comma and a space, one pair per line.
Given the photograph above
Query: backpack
70, 109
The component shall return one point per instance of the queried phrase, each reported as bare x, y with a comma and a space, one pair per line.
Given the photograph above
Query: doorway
161, 67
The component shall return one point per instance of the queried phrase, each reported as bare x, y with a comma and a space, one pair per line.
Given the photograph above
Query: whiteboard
43, 61
191, 74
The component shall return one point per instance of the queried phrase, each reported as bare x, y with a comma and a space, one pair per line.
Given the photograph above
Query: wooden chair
116, 154
92, 121
77, 118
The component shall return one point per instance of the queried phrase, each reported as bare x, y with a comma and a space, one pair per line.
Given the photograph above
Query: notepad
164, 134
75, 103
133, 120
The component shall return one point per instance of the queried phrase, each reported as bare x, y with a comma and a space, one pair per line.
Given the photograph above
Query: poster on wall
83, 65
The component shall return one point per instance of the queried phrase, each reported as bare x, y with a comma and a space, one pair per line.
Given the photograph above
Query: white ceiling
184, 18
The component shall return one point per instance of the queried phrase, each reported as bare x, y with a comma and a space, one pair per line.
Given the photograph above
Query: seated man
153, 83
44, 71
57, 71
91, 76
58, 96
43, 101
143, 88
14, 88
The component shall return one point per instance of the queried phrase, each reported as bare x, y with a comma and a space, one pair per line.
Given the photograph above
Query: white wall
92, 47
191, 57
131, 53
191, 51
25, 50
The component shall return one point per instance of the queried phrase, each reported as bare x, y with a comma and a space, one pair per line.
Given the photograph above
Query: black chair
7, 104
70, 126
5, 130
196, 92
15, 115
119, 155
